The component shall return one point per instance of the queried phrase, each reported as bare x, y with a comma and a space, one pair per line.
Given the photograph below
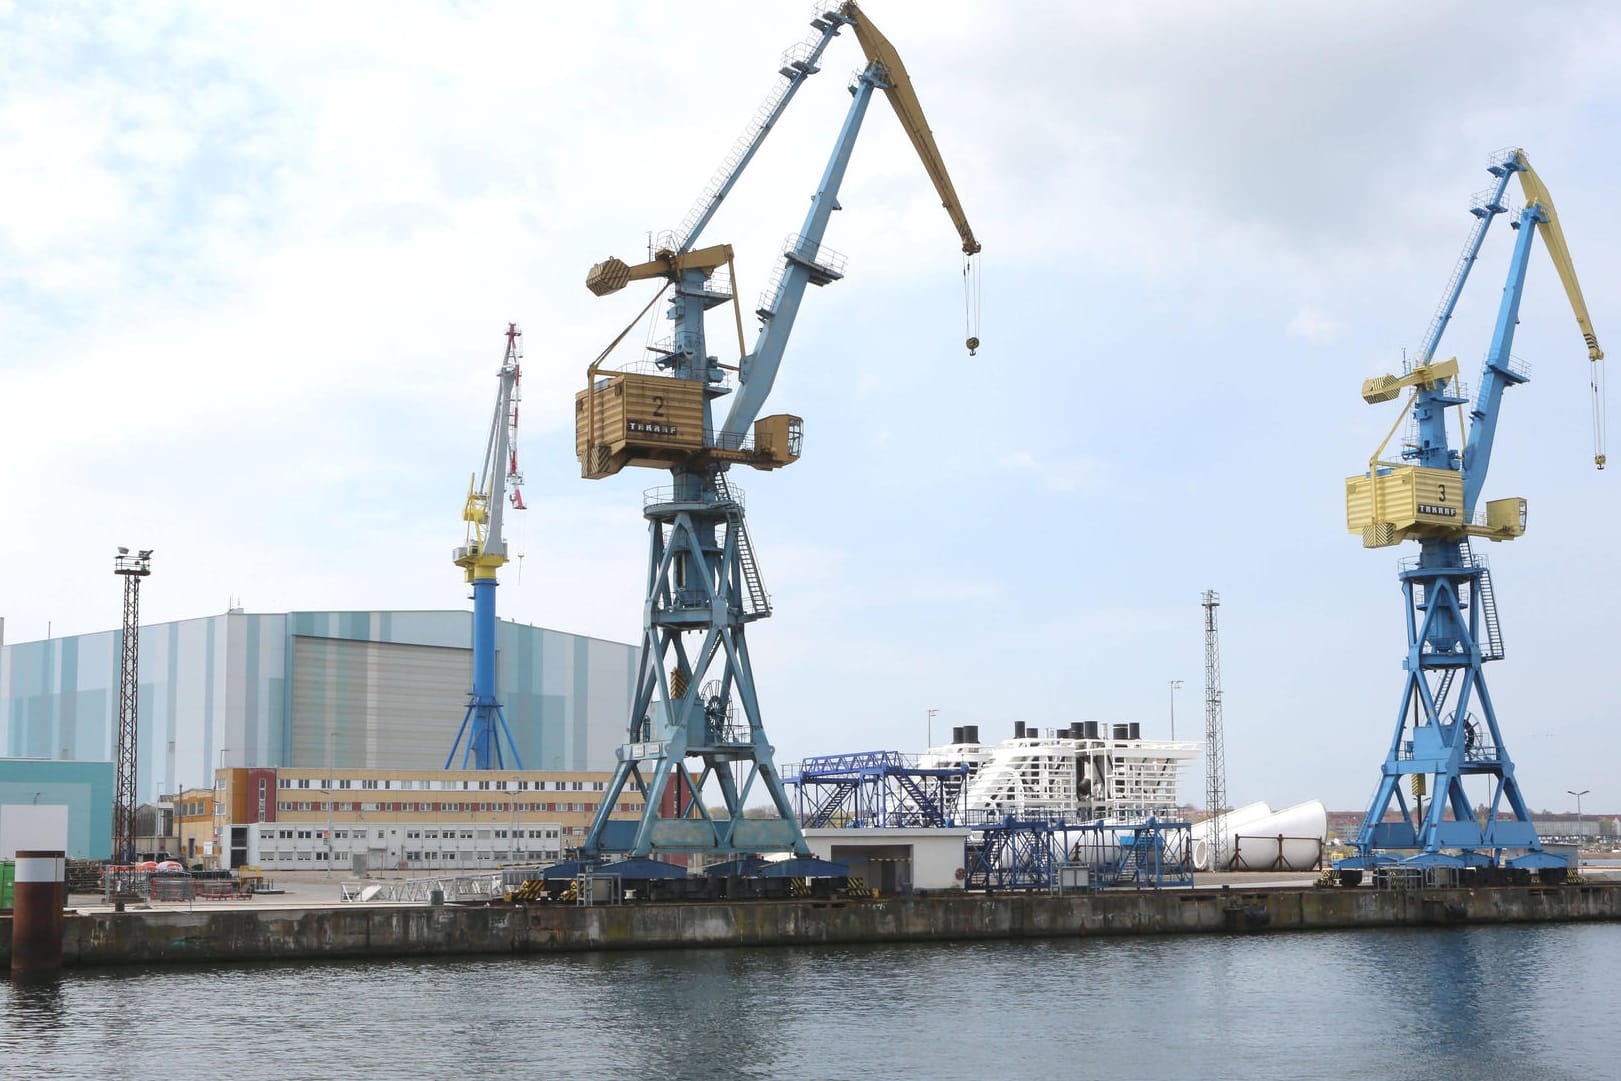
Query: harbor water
1485, 1003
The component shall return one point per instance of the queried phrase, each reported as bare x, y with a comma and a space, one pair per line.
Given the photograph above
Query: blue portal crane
1453, 630
484, 553
695, 698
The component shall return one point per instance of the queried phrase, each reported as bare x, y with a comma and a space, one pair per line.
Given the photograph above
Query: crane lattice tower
1215, 799
132, 568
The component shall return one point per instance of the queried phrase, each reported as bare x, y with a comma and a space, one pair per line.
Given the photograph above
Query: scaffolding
1150, 854
874, 789
1032, 853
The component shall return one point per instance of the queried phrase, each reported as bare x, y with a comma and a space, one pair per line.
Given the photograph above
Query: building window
303, 782
368, 784
346, 783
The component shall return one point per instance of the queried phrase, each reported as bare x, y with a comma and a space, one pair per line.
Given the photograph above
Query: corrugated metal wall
376, 703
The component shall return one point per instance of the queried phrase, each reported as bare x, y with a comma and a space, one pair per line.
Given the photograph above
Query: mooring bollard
36, 913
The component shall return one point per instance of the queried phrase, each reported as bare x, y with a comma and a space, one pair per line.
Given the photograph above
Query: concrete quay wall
261, 933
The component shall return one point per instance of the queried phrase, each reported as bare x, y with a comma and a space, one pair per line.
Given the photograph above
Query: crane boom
805, 261
1553, 238
797, 65
903, 99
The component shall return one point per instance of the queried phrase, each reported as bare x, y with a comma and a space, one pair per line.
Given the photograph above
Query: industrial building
353, 690
47, 804
389, 819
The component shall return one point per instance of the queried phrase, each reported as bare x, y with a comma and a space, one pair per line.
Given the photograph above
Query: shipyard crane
695, 697
1446, 727
485, 724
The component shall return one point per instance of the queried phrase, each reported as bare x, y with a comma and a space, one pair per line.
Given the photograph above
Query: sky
257, 261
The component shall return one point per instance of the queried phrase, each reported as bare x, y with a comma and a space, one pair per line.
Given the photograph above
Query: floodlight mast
125, 800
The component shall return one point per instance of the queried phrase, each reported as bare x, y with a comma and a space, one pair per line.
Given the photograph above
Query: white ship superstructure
1087, 771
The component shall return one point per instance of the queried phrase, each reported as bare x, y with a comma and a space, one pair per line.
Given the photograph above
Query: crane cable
1596, 381
970, 301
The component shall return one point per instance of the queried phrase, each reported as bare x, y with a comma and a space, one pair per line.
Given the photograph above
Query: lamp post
1579, 831
930, 733
1175, 683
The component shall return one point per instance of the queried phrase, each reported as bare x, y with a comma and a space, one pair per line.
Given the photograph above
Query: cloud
1314, 326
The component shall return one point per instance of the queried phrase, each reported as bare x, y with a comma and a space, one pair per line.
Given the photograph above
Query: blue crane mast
1453, 630
484, 553
695, 697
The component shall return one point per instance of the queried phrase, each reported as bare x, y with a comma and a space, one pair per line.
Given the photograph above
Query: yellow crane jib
1553, 238
909, 111
903, 99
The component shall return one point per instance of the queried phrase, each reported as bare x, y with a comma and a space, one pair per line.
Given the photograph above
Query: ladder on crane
758, 600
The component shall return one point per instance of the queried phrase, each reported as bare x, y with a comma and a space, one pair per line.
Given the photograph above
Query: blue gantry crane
695, 695
485, 724
1446, 727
